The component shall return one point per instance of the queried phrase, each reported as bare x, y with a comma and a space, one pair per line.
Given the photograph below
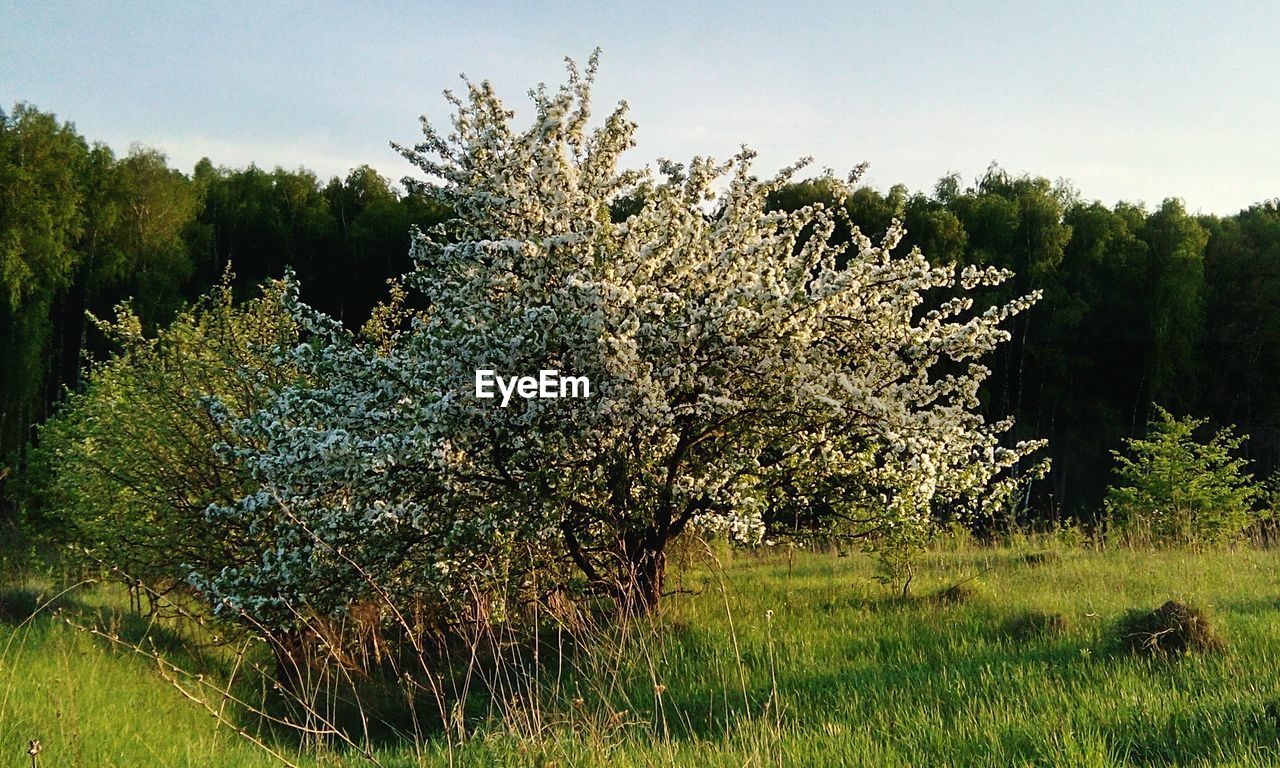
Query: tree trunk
644, 560
68, 333
291, 663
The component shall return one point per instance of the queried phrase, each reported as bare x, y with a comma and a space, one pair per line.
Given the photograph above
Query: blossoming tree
741, 363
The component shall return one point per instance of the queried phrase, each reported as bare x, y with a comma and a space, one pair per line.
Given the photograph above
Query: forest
1141, 306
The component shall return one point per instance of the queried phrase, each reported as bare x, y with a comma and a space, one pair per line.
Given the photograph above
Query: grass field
773, 662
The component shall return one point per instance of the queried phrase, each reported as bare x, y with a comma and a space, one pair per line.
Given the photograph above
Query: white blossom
744, 369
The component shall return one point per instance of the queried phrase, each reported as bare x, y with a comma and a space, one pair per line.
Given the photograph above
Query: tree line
1139, 306
82, 229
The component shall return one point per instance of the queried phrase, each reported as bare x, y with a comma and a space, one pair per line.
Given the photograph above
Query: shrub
1174, 489
1268, 519
958, 594
1041, 558
1173, 628
126, 468
17, 605
1035, 624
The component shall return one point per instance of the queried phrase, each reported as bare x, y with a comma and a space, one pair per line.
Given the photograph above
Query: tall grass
774, 660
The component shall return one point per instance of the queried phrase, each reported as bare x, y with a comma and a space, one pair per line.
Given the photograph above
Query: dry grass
1170, 630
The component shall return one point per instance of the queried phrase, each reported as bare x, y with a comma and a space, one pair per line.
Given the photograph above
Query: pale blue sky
1134, 101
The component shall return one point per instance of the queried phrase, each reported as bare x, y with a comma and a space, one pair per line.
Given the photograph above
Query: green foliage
1139, 304
40, 220
1175, 489
39, 217
1175, 295
82, 230
126, 468
140, 248
1269, 504
343, 239
1242, 362
1132, 309
899, 553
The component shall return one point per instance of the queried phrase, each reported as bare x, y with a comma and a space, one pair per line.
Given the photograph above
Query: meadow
772, 659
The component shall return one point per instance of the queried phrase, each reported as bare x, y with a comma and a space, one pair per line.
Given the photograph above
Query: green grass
92, 706
809, 663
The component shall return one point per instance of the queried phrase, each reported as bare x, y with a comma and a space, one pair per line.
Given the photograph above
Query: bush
17, 605
1035, 624
126, 468
1172, 629
1268, 518
1041, 558
1172, 489
958, 594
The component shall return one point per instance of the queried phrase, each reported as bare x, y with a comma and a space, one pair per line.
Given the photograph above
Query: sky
1135, 101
